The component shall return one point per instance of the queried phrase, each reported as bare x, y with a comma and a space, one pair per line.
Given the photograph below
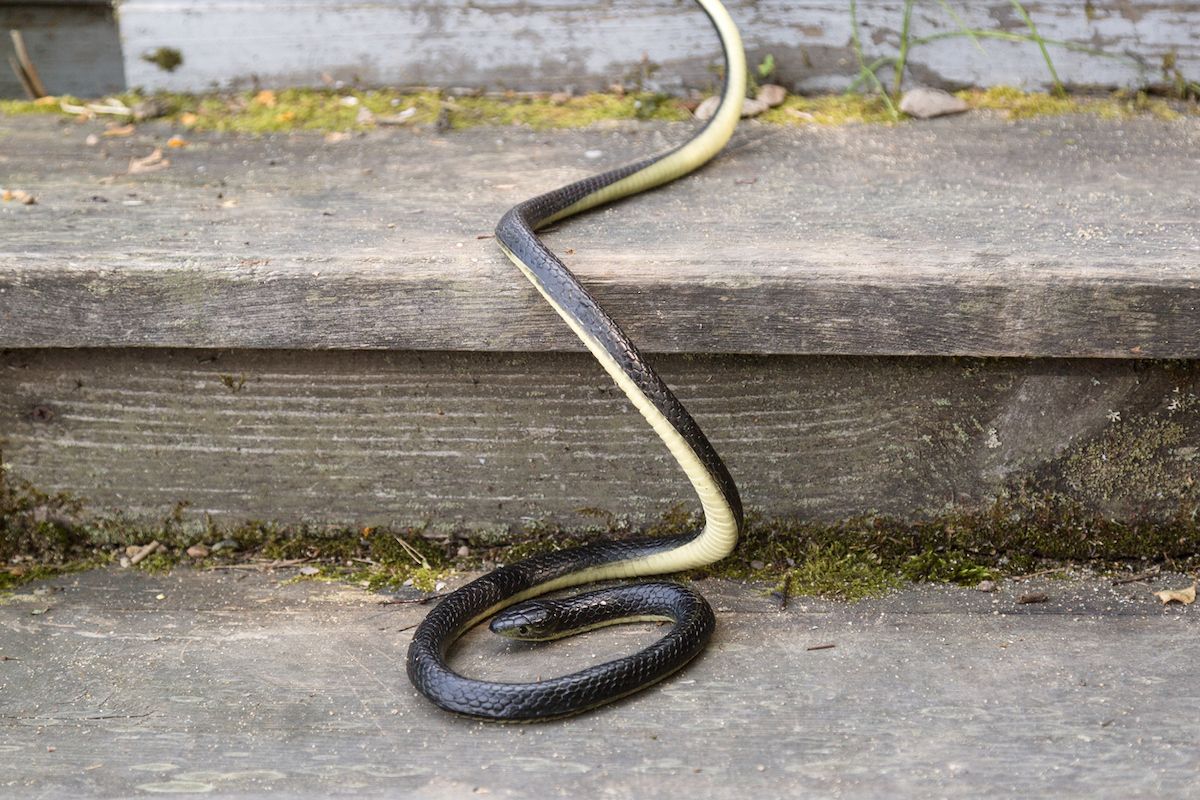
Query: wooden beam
478, 441
1052, 237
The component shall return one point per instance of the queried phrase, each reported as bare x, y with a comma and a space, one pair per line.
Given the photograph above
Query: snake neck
668, 166
607, 342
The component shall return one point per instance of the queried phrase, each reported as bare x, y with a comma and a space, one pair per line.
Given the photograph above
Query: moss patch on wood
1018, 104
328, 111
1024, 530
1142, 463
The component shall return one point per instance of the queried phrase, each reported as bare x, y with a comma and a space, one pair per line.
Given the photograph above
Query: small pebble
924, 103
985, 586
593, 154
225, 544
464, 551
197, 551
771, 94
757, 565
309, 571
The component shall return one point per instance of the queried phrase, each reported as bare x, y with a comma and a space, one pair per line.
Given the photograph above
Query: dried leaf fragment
1185, 596
22, 197
151, 163
175, 142
265, 98
120, 130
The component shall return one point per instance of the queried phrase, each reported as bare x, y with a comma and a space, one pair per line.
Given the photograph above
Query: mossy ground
857, 558
1017, 104
329, 111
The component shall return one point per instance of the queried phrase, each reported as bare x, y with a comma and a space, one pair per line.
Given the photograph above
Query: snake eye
523, 630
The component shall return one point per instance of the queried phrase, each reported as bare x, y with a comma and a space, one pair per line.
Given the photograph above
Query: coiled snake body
509, 585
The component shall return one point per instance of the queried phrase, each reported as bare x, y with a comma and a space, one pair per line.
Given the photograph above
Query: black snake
511, 584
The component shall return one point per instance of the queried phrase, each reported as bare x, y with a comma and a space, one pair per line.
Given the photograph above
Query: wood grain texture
248, 686
581, 44
74, 44
450, 442
981, 237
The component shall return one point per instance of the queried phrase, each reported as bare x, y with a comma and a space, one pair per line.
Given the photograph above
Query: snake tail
502, 588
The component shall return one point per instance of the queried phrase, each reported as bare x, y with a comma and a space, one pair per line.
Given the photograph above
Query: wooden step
826, 301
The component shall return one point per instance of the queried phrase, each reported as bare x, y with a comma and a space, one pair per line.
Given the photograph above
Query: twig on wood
142, 554
1141, 576
26, 66
261, 565
415, 601
786, 593
821, 647
419, 559
22, 77
1039, 573
77, 719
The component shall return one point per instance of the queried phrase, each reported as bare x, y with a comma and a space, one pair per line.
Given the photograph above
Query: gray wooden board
453, 441
1054, 237
556, 44
74, 45
123, 684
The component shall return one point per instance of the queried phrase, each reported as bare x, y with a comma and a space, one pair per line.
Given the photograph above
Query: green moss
329, 111
17, 575
575, 112
838, 109
167, 59
160, 563
357, 110
837, 572
1018, 104
951, 566
35, 523
46, 105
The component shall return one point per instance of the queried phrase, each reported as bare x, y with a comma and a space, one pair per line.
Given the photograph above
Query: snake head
526, 621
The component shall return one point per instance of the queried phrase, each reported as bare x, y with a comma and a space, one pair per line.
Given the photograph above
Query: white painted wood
581, 44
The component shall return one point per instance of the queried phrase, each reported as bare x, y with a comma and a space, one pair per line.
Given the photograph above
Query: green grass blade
1037, 37
865, 73
902, 58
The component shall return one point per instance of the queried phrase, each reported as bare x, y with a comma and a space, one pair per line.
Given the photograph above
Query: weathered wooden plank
74, 44
249, 686
455, 441
555, 44
1052, 237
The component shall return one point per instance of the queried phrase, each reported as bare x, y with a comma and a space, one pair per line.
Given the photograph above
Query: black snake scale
693, 619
